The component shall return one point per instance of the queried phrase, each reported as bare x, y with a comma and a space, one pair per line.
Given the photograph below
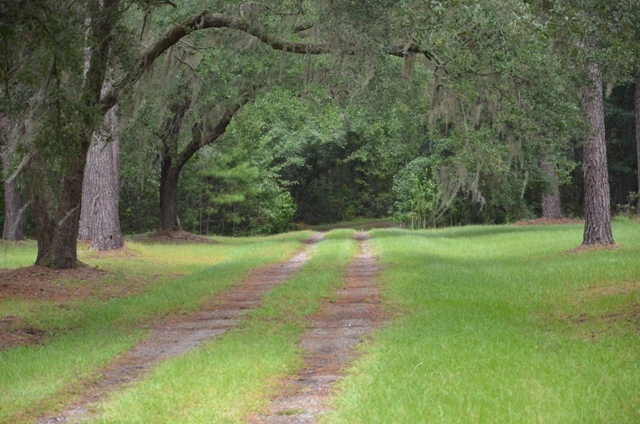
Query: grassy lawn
492, 324
85, 335
499, 325
231, 377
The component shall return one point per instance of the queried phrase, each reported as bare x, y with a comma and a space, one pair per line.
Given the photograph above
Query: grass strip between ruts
87, 335
231, 377
501, 325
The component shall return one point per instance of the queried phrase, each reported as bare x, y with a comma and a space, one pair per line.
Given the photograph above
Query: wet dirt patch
330, 343
180, 333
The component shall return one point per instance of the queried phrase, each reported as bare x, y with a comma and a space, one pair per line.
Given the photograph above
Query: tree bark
13, 216
597, 226
551, 206
57, 222
169, 176
42, 204
13, 219
637, 113
99, 216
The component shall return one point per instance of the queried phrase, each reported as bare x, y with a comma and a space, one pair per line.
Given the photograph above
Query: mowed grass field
489, 324
502, 325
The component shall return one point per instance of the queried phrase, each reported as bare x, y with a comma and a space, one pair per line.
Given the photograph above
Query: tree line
243, 117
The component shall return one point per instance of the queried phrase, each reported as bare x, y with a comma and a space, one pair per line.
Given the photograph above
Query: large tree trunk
172, 163
13, 219
57, 222
169, 177
99, 216
597, 225
42, 203
637, 113
551, 207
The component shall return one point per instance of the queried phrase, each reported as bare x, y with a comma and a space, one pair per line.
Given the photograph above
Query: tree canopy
244, 117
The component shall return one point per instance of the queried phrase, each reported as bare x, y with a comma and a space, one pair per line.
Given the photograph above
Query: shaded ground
172, 237
363, 225
178, 334
330, 343
37, 282
59, 287
40, 283
549, 221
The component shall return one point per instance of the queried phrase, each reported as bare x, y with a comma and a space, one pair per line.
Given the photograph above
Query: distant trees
493, 111
551, 204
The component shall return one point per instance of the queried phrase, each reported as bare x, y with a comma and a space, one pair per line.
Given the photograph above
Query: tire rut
330, 343
178, 334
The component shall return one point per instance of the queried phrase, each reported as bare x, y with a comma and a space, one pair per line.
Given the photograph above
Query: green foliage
416, 192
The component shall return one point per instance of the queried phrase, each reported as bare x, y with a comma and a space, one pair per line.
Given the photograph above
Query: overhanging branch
208, 20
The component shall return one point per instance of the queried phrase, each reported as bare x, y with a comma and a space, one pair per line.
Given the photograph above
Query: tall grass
231, 377
500, 325
86, 335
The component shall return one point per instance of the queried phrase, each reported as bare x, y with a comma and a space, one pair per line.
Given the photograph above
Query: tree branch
208, 20
197, 142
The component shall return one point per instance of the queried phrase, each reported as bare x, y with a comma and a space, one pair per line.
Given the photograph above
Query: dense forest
242, 117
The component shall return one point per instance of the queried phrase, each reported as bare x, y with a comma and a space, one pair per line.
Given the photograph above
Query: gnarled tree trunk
597, 225
99, 217
57, 217
551, 207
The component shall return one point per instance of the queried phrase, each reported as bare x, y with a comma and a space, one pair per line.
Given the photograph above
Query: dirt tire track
177, 334
330, 343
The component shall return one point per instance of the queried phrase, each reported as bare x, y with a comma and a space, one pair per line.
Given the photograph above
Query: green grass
85, 335
232, 376
498, 325
16, 254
